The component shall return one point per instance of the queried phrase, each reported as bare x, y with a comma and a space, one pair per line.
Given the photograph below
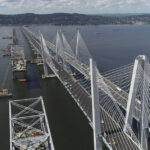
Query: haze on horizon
74, 6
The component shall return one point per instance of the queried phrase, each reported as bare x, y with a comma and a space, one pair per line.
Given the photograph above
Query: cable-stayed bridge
103, 98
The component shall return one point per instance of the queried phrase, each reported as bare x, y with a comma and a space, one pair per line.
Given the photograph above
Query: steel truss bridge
111, 101
29, 127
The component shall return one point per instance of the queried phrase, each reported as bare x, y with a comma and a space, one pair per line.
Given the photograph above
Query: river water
111, 46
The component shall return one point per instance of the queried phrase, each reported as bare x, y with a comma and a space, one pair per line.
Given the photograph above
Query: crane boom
5, 75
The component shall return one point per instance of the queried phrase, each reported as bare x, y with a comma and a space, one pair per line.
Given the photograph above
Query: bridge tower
43, 56
61, 45
139, 84
95, 108
57, 40
77, 44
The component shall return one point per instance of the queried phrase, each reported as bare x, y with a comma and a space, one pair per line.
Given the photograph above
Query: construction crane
3, 91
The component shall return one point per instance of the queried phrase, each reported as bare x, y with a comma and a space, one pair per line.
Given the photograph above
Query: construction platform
18, 58
29, 127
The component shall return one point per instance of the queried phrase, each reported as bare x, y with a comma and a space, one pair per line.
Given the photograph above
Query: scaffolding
18, 58
29, 127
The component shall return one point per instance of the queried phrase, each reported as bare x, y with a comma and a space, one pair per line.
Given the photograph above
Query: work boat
4, 93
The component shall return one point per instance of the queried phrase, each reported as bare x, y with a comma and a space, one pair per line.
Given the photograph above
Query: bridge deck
120, 95
115, 137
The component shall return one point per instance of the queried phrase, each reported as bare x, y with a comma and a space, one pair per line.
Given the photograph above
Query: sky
74, 6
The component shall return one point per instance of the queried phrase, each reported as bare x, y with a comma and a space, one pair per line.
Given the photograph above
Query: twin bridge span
111, 101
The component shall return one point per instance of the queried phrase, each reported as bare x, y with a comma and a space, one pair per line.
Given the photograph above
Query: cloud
78, 6
11, 4
119, 6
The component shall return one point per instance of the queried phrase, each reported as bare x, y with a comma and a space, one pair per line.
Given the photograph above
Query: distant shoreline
73, 19
19, 25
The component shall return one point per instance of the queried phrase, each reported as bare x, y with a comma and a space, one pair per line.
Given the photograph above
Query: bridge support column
95, 108
44, 59
45, 68
140, 77
57, 40
61, 50
77, 44
131, 97
144, 107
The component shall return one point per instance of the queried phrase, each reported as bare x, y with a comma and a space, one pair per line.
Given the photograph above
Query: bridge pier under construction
18, 61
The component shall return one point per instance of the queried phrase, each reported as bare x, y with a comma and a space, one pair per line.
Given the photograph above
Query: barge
4, 93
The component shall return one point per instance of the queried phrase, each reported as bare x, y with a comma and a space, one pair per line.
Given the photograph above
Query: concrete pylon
95, 108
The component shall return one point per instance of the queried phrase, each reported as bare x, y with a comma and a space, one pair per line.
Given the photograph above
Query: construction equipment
3, 91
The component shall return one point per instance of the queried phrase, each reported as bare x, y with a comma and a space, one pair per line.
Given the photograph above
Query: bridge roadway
120, 95
84, 101
114, 137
